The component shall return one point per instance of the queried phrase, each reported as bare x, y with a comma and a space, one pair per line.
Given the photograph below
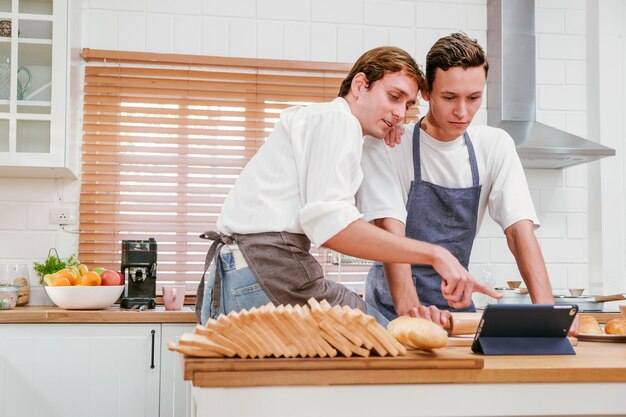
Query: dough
418, 333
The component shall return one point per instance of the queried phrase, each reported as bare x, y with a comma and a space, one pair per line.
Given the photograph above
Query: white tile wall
289, 10
331, 30
389, 13
269, 34
575, 72
213, 38
239, 8
189, 7
347, 12
550, 21
159, 33
188, 34
297, 40
131, 31
550, 72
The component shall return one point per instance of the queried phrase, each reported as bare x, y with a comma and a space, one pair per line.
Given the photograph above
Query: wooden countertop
47, 314
114, 314
593, 362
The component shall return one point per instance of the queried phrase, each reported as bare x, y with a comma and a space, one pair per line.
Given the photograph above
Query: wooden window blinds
164, 139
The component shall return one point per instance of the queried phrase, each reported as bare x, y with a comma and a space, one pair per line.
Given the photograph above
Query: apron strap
472, 159
212, 256
417, 164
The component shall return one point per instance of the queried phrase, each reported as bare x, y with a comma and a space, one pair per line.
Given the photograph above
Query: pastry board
237, 372
619, 338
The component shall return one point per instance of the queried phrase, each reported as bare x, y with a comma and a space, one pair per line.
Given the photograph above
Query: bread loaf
615, 326
418, 333
589, 325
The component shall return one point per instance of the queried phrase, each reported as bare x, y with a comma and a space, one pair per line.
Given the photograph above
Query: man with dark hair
436, 185
299, 188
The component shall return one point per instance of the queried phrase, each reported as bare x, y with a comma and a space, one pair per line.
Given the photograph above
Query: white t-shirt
388, 173
303, 179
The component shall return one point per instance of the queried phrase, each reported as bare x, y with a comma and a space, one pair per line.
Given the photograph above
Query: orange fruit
60, 282
91, 278
67, 274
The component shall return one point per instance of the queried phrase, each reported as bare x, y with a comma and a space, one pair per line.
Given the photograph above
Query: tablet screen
527, 320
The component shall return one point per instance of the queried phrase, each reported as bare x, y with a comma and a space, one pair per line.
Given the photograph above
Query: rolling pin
463, 323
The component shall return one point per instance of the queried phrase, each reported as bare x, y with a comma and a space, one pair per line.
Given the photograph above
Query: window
164, 139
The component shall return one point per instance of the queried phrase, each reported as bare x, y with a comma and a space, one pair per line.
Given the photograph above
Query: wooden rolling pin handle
605, 298
463, 323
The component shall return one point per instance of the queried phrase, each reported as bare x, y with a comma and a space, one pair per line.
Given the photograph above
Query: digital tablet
525, 329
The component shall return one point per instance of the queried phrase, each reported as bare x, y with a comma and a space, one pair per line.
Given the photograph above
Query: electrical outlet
62, 216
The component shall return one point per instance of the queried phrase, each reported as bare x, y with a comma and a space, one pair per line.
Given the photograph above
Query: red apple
121, 278
110, 277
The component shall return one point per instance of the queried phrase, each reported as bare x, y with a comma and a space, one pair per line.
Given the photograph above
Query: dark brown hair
378, 61
456, 50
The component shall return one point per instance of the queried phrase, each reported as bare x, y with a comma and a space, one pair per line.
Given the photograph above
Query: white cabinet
92, 370
87, 370
175, 391
37, 46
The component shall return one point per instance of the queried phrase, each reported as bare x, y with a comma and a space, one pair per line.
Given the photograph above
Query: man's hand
432, 313
573, 331
394, 136
457, 284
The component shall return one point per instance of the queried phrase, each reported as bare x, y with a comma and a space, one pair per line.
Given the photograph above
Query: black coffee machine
139, 267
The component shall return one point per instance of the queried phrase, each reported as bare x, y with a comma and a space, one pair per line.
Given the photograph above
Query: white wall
340, 30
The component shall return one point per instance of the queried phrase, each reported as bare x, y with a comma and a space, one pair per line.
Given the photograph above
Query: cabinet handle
152, 360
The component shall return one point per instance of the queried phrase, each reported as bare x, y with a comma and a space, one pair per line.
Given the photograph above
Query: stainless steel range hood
511, 92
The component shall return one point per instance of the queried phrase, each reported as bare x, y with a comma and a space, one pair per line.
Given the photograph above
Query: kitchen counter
591, 382
114, 314
593, 362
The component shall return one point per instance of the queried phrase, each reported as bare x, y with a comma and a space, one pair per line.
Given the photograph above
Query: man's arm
400, 282
524, 246
399, 279
367, 241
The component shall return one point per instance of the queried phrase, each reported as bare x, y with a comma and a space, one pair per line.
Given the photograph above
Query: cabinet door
175, 395
67, 370
33, 88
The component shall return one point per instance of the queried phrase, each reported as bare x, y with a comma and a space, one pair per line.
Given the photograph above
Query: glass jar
18, 276
8, 297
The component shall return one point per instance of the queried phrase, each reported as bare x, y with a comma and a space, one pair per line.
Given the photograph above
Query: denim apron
435, 214
279, 269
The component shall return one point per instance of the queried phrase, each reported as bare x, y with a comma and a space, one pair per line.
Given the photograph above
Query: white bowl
84, 297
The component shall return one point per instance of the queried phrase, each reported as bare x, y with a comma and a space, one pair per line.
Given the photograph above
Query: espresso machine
139, 267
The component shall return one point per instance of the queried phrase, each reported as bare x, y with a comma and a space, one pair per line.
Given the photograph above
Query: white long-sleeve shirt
303, 179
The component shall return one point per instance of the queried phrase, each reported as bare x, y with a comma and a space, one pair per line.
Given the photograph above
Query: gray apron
283, 267
435, 214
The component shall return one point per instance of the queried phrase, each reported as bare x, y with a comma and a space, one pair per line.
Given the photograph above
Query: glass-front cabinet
33, 88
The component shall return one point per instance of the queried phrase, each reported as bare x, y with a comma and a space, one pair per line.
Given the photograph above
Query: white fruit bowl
84, 297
